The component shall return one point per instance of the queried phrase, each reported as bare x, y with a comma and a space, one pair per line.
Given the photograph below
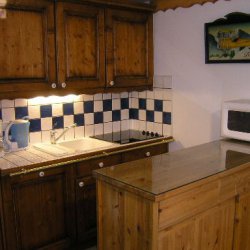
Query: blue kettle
16, 135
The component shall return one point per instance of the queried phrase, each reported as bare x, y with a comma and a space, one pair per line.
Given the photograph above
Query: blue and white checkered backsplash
93, 114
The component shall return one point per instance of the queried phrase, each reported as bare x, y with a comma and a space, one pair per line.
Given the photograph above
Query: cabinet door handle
147, 154
53, 85
111, 83
41, 174
101, 164
64, 85
81, 184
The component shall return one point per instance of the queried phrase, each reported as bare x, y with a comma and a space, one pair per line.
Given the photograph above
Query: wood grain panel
86, 210
212, 229
187, 204
242, 225
81, 58
129, 48
27, 47
85, 168
22, 40
41, 205
123, 218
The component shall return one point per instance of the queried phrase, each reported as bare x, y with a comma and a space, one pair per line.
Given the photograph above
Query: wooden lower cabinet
86, 211
39, 210
208, 214
55, 208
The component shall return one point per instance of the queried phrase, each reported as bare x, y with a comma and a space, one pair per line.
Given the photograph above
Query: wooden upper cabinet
62, 47
129, 48
80, 43
27, 46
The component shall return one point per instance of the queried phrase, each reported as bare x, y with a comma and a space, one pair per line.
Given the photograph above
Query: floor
92, 248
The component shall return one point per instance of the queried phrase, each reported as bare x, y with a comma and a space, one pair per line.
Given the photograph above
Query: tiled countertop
33, 158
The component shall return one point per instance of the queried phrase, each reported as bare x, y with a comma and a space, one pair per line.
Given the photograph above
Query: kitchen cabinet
129, 48
58, 205
39, 210
196, 198
80, 47
27, 56
85, 187
62, 47
86, 210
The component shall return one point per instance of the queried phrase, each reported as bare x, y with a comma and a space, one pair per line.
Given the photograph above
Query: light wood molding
173, 4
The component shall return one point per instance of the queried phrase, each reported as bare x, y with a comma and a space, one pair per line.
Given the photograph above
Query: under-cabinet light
41, 100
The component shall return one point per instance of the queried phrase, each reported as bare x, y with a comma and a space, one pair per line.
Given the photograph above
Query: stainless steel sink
73, 146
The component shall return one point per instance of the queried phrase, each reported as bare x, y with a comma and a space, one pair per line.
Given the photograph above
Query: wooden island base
211, 213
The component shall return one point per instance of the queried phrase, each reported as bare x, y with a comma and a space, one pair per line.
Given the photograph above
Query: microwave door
238, 121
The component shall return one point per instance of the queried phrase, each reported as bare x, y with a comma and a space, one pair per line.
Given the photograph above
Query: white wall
198, 88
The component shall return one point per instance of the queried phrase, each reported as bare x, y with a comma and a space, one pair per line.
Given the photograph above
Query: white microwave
235, 119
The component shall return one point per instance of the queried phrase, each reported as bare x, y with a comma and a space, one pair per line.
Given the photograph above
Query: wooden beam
173, 4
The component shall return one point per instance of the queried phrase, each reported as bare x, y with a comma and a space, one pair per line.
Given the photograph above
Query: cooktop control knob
143, 132
152, 134
147, 132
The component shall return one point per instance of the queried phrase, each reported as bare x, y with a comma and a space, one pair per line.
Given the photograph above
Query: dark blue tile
142, 103
133, 114
46, 111
167, 118
158, 105
107, 105
88, 107
68, 109
150, 116
35, 125
79, 119
124, 103
1, 114
116, 115
57, 122
98, 117
21, 112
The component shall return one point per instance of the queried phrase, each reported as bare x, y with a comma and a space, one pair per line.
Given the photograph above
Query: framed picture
227, 40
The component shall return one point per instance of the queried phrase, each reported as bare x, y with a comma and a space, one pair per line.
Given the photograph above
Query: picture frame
227, 40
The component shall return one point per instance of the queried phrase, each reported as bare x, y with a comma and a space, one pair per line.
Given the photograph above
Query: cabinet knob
81, 184
41, 174
53, 85
101, 164
64, 85
148, 154
111, 83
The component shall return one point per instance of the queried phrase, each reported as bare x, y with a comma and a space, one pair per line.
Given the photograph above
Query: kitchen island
196, 198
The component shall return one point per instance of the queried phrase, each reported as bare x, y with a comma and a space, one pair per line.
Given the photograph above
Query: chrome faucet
54, 139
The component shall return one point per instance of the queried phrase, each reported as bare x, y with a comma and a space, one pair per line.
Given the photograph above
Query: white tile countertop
33, 158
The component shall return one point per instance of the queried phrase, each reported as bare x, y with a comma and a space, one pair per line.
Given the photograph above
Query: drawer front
144, 152
85, 168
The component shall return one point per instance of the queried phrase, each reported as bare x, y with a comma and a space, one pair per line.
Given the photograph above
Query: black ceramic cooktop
127, 136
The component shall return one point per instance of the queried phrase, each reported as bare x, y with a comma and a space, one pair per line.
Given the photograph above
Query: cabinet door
129, 48
212, 229
242, 225
39, 211
27, 61
86, 210
80, 42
